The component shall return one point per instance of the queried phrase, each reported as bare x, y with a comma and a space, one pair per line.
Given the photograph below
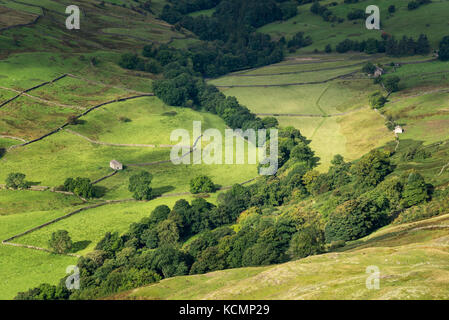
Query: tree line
406, 46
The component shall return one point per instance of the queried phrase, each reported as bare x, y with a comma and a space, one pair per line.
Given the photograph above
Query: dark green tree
391, 83
16, 181
308, 241
369, 68
167, 232
159, 214
60, 241
443, 53
110, 243
139, 185
201, 184
371, 168
415, 190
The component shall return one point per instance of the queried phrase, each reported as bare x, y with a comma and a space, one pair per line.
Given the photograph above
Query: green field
285, 79
24, 268
148, 121
12, 201
335, 115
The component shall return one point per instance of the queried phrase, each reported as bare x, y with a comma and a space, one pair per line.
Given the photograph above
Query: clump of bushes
369, 68
17, 181
124, 119
377, 100
60, 241
139, 185
82, 187
73, 120
202, 184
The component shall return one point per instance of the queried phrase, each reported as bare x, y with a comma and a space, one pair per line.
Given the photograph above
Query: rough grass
29, 119
6, 142
142, 121
20, 8
430, 168
413, 264
364, 130
424, 118
283, 79
11, 17
77, 92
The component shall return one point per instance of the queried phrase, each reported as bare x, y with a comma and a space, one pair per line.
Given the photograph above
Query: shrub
391, 84
354, 219
377, 100
80, 186
371, 168
415, 190
336, 244
369, 68
201, 184
139, 185
443, 53
308, 241
72, 120
356, 14
60, 241
16, 181
124, 119
412, 5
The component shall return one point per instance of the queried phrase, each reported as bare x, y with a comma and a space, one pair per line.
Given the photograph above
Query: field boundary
93, 206
105, 177
289, 84
29, 89
41, 99
71, 75
295, 72
29, 24
110, 144
311, 115
79, 116
13, 138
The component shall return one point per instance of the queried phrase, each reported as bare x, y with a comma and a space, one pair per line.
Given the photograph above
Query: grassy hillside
412, 258
49, 74
397, 24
